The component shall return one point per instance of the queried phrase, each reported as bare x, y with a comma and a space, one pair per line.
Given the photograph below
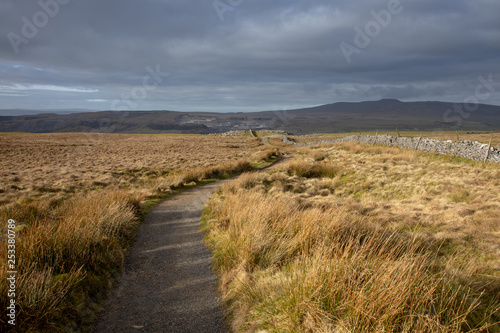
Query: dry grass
302, 168
393, 241
57, 165
62, 250
72, 236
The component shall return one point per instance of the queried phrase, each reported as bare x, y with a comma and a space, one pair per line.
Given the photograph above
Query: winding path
167, 284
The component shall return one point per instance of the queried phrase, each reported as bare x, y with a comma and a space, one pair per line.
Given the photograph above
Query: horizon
66, 111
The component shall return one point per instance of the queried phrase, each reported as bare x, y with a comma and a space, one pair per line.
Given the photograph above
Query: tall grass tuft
66, 256
228, 168
303, 168
286, 268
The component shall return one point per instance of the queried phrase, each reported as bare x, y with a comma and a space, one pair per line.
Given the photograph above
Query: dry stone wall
468, 149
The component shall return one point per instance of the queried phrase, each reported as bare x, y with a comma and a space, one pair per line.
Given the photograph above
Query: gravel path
168, 284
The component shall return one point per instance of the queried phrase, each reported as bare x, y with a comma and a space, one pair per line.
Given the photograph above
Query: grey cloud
262, 55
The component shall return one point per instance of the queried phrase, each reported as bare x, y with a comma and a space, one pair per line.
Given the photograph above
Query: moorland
336, 238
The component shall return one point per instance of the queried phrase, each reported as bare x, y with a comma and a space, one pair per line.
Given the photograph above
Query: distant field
55, 165
360, 238
483, 137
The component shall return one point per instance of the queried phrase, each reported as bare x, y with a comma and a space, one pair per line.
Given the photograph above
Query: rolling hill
386, 114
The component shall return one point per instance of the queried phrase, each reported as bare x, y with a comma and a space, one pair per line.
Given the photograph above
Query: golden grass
49, 166
394, 241
307, 169
62, 249
71, 244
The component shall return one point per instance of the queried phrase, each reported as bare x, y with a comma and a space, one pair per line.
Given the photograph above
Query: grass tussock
304, 168
160, 186
390, 242
66, 256
267, 154
226, 169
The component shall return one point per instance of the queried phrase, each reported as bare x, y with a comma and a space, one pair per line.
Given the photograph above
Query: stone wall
468, 149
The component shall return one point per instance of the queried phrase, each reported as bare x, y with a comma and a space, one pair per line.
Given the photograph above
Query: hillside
331, 118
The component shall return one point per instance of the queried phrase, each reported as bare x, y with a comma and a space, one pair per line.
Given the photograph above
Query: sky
245, 55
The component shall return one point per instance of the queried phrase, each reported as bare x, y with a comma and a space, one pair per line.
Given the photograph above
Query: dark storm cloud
244, 55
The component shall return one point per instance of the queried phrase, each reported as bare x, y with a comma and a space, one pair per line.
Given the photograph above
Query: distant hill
26, 112
331, 118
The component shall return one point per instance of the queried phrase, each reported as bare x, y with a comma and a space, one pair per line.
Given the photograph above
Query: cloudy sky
245, 55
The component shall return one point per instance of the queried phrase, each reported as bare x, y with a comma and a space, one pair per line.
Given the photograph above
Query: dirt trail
168, 284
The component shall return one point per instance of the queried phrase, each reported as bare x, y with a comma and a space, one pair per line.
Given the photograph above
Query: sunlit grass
392, 241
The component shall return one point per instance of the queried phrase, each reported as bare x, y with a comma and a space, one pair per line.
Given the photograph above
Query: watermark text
484, 89
139, 93
372, 29
11, 272
31, 26
224, 7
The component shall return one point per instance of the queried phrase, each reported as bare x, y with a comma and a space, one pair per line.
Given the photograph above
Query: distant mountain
385, 114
